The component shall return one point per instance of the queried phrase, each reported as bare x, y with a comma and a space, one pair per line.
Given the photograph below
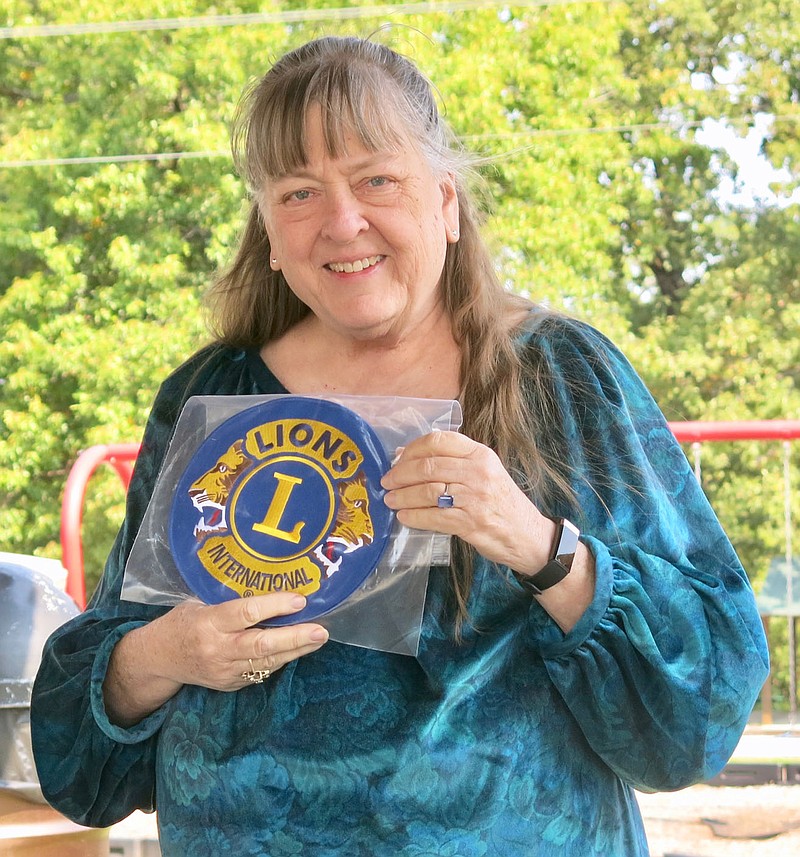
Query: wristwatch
557, 568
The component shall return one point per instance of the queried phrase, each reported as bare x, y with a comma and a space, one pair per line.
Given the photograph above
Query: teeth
354, 267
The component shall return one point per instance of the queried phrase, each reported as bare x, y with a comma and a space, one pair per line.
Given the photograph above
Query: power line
286, 16
468, 138
111, 159
598, 129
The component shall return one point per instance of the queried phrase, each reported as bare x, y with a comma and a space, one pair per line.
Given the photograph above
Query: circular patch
283, 496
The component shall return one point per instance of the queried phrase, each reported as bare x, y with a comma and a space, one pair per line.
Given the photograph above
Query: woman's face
361, 238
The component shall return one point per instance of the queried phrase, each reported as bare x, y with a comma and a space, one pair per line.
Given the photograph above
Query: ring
445, 499
255, 676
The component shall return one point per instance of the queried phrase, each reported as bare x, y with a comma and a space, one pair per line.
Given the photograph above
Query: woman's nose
343, 216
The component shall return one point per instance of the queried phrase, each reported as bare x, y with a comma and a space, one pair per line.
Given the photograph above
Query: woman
554, 674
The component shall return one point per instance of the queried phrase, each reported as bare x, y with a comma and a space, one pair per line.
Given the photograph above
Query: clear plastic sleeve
385, 611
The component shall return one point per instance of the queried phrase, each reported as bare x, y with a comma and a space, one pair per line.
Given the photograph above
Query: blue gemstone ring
445, 499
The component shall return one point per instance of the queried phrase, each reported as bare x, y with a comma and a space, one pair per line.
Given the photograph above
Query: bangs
350, 109
357, 98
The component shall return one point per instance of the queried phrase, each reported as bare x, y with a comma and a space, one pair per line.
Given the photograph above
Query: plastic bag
384, 611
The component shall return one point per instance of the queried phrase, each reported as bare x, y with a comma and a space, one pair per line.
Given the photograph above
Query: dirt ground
724, 821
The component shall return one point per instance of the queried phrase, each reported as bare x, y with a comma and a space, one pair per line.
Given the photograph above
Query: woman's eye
297, 196
378, 181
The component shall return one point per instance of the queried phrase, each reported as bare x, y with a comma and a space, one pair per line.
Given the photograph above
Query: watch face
284, 496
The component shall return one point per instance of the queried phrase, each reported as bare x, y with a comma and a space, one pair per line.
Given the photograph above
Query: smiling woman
594, 632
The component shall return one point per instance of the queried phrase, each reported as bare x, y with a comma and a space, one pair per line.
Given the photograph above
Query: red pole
688, 432
120, 456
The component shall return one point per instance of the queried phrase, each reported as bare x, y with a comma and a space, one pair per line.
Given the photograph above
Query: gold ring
255, 676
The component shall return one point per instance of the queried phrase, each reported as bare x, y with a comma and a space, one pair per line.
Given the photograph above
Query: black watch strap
565, 544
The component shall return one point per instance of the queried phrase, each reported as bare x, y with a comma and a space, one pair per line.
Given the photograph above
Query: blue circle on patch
283, 496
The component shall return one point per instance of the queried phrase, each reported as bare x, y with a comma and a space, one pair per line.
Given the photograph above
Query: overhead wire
283, 16
468, 138
110, 159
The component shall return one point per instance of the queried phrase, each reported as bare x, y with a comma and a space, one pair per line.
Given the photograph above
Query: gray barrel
32, 606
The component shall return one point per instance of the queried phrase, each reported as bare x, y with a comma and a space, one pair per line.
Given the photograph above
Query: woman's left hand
489, 510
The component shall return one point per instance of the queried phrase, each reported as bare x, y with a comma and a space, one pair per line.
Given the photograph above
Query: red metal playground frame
121, 457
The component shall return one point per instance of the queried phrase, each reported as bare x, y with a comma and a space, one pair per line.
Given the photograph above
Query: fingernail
298, 602
397, 453
319, 635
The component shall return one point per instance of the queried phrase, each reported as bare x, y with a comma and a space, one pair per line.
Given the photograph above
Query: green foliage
604, 203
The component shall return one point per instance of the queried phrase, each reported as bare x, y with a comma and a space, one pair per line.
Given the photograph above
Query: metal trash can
32, 606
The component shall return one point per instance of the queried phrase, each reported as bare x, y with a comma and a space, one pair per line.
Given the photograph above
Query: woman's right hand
206, 645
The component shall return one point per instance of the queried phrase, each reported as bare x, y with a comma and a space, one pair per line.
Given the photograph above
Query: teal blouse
521, 740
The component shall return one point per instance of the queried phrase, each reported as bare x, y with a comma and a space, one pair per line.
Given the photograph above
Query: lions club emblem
284, 496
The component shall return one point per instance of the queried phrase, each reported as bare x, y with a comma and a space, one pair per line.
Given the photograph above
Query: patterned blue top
520, 741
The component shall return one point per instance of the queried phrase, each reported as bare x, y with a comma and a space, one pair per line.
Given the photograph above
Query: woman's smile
354, 267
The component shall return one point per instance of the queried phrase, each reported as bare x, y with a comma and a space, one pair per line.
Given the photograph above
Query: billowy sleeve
91, 770
663, 669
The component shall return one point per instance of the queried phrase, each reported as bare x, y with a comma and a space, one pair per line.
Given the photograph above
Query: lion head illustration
352, 528
209, 493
